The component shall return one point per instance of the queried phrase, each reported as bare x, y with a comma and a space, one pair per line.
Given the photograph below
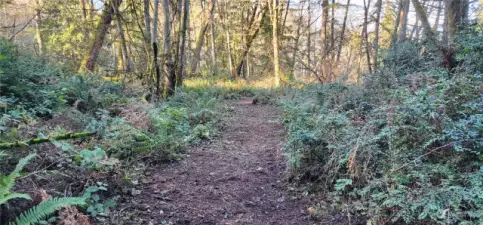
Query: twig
427, 153
26, 24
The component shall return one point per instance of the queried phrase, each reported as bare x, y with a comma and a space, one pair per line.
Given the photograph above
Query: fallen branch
33, 141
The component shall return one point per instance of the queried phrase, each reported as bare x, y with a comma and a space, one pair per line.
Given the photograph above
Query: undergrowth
403, 147
39, 99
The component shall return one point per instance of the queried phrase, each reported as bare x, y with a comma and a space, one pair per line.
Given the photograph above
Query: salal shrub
408, 152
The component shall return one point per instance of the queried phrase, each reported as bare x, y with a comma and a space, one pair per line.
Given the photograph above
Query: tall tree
455, 12
367, 4
147, 22
342, 32
376, 41
182, 56
324, 42
403, 20
125, 55
258, 15
276, 63
309, 34
170, 81
214, 66
200, 39
38, 27
90, 59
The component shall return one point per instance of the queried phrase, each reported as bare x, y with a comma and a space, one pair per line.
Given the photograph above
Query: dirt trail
235, 179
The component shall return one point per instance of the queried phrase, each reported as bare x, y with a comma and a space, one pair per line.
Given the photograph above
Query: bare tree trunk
90, 59
285, 17
332, 31
125, 54
244, 34
376, 41
214, 67
403, 20
38, 26
154, 39
309, 42
324, 41
147, 38
147, 22
182, 57
394, 33
230, 57
249, 40
228, 39
169, 84
295, 50
276, 63
438, 15
454, 16
421, 13
198, 45
342, 32
365, 33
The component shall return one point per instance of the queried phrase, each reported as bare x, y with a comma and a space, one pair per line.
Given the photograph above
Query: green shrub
28, 82
405, 151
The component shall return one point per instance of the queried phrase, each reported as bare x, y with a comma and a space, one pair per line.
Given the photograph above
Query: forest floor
237, 178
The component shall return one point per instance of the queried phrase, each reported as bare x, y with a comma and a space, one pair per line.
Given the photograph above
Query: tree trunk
214, 67
366, 35
403, 20
147, 22
170, 80
198, 45
332, 31
147, 36
249, 40
285, 17
38, 26
125, 54
324, 41
295, 50
342, 32
454, 16
309, 42
230, 58
421, 13
276, 63
89, 62
438, 15
228, 39
182, 57
376, 41
154, 40
394, 33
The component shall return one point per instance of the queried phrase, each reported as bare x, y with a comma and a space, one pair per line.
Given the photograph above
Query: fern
7, 182
34, 214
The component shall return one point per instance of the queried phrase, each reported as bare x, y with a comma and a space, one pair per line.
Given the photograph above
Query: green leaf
36, 213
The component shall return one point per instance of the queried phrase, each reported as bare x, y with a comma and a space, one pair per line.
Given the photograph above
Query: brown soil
236, 179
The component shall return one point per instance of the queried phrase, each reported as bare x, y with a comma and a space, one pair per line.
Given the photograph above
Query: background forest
382, 102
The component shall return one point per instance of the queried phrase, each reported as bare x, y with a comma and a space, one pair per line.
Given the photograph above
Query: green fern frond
20, 165
44, 209
7, 182
4, 199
